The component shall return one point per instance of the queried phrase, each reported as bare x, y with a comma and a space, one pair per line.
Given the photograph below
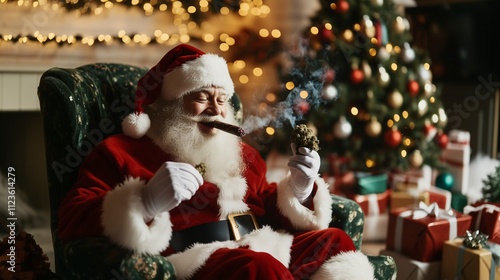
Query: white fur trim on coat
123, 220
267, 240
136, 125
188, 262
231, 194
346, 266
206, 70
300, 216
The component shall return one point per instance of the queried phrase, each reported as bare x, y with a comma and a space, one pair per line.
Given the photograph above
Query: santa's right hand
172, 183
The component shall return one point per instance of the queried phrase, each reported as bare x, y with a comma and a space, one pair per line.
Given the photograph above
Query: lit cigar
229, 128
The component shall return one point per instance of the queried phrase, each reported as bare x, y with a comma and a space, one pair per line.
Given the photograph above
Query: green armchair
82, 106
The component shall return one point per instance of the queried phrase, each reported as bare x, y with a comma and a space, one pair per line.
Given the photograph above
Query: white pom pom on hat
182, 70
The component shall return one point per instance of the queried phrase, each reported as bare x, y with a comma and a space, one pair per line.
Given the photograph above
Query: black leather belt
236, 226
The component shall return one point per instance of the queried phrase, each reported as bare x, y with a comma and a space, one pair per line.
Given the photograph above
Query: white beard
177, 134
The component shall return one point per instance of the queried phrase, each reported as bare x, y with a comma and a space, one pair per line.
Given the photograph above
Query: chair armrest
98, 258
347, 215
147, 267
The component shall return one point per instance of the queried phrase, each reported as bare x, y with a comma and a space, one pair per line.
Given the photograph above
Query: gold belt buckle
234, 224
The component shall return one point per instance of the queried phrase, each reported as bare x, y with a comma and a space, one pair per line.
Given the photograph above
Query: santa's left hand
304, 168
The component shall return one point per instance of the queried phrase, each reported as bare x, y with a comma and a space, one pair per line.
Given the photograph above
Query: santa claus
229, 223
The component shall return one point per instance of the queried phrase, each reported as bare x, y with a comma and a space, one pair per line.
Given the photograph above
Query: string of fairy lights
188, 16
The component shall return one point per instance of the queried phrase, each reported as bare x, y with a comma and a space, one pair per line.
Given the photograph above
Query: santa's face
176, 127
210, 101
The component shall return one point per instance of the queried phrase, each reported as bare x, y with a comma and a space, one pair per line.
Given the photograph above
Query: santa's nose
214, 108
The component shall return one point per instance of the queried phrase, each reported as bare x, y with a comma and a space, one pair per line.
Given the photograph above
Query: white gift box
420, 179
409, 269
457, 158
375, 227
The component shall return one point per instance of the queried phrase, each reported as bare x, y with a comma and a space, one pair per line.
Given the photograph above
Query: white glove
172, 183
304, 168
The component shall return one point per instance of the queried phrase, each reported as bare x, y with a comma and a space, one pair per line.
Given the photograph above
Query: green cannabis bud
302, 136
201, 168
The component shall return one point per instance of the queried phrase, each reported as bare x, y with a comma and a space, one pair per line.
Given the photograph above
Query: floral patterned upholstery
82, 106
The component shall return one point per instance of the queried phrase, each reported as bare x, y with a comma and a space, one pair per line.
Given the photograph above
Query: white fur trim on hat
136, 125
301, 217
206, 70
352, 265
123, 221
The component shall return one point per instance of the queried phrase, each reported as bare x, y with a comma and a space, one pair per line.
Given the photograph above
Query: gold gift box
405, 199
475, 264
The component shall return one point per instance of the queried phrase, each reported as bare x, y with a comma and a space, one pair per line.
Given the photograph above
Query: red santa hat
182, 70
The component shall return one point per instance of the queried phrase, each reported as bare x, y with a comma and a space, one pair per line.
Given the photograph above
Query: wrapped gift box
372, 204
419, 233
420, 179
440, 196
409, 269
341, 178
375, 227
458, 201
407, 198
457, 158
467, 264
368, 183
486, 219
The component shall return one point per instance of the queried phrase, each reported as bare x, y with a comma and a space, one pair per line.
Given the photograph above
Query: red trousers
308, 252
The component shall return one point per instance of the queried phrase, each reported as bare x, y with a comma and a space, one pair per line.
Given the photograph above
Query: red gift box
341, 178
372, 204
440, 196
420, 233
485, 218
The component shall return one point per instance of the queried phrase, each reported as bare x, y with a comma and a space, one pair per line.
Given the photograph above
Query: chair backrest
80, 107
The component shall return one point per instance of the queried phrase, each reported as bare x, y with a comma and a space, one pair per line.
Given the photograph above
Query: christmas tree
356, 80
491, 187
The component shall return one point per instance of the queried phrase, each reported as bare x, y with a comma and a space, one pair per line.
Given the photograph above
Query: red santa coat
106, 200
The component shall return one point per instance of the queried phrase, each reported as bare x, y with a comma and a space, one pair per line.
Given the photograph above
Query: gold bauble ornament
399, 24
395, 99
416, 159
373, 128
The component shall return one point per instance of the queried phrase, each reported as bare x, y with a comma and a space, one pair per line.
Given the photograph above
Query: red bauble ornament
326, 36
357, 76
413, 88
302, 107
342, 6
393, 138
329, 76
442, 140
